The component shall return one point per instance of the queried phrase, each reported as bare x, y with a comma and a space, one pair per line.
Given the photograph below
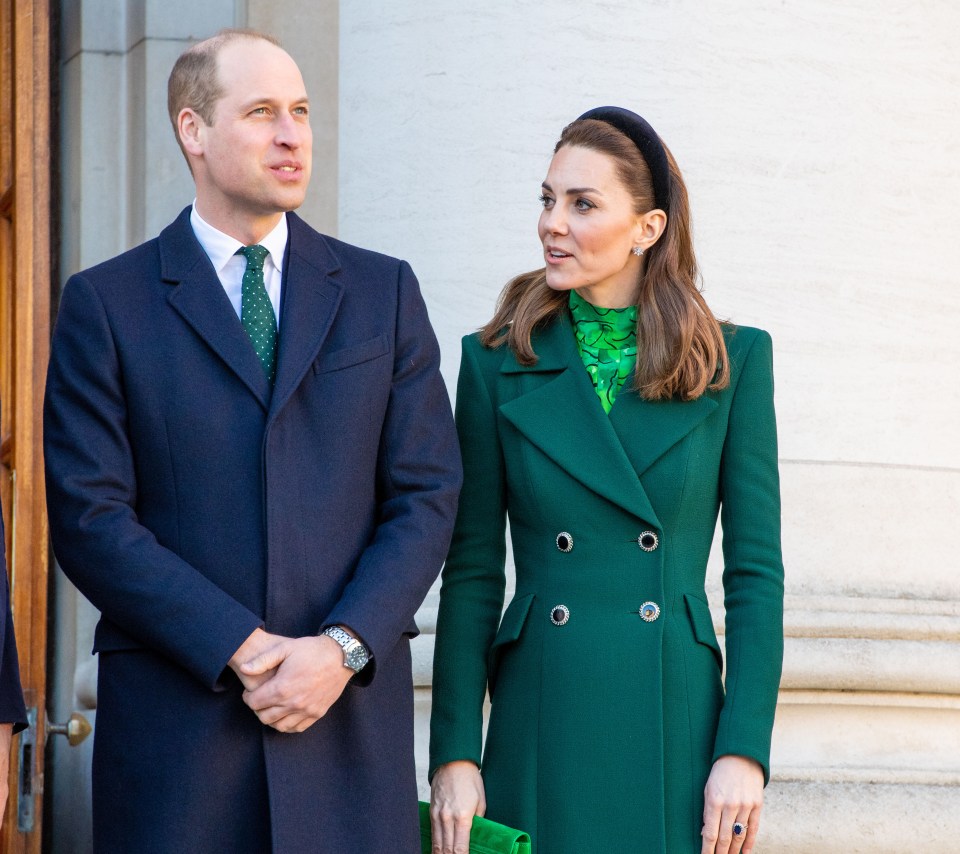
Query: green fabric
607, 341
605, 728
256, 310
486, 837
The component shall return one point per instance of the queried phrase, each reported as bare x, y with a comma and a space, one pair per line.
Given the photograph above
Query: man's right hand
456, 796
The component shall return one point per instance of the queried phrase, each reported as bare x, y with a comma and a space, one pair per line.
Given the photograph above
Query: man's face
256, 155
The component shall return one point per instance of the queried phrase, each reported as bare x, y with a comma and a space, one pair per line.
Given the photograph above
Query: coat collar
607, 453
311, 296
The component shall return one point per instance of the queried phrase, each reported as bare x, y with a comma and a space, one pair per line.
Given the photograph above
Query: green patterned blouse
607, 340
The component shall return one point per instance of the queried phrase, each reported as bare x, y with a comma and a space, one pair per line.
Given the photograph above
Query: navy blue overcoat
12, 710
191, 505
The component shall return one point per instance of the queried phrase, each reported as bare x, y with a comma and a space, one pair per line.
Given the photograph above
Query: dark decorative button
565, 541
648, 541
649, 611
559, 615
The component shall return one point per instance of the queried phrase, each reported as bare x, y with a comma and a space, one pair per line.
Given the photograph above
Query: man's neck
248, 230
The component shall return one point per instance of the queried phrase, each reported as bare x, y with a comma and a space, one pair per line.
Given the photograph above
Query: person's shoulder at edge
742, 342
740, 339
488, 359
345, 254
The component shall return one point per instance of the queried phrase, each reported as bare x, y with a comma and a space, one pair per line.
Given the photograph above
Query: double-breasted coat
191, 506
604, 672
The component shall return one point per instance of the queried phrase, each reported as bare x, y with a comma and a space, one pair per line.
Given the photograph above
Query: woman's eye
546, 201
584, 204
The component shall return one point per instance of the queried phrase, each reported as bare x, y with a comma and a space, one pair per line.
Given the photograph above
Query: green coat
602, 730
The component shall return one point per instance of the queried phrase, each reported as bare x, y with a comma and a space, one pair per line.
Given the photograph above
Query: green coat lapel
647, 429
607, 453
563, 417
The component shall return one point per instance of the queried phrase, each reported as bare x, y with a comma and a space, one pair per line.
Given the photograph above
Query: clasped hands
290, 683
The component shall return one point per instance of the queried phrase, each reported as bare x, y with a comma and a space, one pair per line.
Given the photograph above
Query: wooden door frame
27, 204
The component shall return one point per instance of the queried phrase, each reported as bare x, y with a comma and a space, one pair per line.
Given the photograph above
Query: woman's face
588, 228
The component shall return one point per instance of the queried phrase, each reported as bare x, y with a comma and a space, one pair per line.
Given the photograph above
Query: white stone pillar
122, 178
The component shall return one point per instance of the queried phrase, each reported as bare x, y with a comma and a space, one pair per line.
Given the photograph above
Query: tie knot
255, 255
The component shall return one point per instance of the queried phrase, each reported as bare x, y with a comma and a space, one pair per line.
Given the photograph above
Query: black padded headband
646, 140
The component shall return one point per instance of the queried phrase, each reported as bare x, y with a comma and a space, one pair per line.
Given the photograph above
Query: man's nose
289, 132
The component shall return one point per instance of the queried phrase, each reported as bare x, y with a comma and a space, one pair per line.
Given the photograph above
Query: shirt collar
220, 247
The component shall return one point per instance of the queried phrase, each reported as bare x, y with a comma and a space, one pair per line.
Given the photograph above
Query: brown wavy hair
680, 347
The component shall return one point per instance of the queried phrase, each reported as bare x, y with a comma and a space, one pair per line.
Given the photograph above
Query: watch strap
355, 653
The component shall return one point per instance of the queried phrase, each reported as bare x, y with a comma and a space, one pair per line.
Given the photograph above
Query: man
13, 714
226, 488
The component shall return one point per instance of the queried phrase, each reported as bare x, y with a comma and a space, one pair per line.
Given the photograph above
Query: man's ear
190, 128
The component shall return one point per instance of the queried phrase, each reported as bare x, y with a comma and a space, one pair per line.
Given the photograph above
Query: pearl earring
637, 250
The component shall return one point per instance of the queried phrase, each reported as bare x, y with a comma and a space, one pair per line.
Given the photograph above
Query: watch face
357, 658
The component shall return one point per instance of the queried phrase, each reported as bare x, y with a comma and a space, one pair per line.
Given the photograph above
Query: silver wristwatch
355, 654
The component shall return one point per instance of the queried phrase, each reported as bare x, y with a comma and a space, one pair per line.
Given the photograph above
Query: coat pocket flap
512, 622
702, 622
347, 357
511, 625
110, 638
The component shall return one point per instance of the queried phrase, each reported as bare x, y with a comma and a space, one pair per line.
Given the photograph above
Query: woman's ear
649, 229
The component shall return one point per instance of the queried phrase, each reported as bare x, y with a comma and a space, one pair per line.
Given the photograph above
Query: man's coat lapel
199, 298
310, 300
312, 294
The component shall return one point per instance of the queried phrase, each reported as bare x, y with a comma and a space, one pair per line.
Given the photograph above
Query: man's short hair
194, 82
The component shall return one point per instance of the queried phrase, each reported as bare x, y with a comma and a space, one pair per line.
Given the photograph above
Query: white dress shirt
222, 249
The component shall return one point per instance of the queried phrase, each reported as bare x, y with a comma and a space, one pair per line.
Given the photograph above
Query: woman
607, 413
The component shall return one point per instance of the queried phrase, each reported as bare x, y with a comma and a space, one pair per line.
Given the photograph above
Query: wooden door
24, 344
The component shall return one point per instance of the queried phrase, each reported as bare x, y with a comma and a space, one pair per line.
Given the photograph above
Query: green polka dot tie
256, 310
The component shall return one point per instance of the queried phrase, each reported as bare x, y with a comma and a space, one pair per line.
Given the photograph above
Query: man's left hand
310, 678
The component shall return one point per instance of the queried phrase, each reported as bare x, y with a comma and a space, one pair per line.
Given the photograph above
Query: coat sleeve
753, 566
147, 590
471, 596
418, 478
12, 709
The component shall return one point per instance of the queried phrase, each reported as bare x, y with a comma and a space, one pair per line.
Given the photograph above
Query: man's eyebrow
266, 99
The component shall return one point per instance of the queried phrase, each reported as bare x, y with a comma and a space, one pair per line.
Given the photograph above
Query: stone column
122, 179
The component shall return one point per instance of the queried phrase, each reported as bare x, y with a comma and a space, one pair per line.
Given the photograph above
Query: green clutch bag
486, 837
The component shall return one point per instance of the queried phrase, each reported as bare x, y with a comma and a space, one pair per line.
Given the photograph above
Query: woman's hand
733, 795
456, 796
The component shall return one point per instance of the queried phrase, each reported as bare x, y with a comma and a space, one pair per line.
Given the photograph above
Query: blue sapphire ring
739, 828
